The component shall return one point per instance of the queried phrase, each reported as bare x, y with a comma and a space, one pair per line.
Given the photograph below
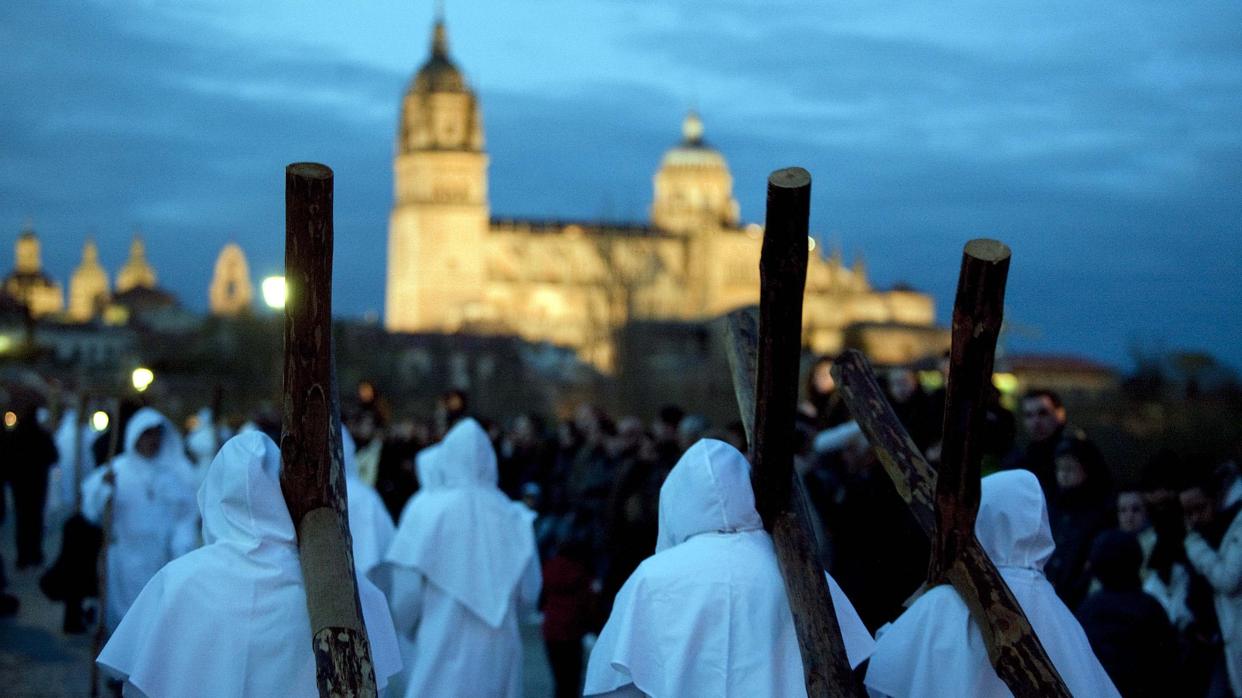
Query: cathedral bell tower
440, 213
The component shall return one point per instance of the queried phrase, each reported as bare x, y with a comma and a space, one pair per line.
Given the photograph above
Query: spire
692, 129
439, 37
88, 287
137, 271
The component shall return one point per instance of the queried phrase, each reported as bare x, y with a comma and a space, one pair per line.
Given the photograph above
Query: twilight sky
1102, 141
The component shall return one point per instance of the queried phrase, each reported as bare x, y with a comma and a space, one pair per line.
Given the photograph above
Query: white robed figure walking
462, 566
707, 615
935, 649
154, 519
370, 525
230, 619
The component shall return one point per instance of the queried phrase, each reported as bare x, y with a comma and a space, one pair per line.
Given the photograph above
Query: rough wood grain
741, 333
312, 474
782, 271
977, 313
912, 476
1014, 650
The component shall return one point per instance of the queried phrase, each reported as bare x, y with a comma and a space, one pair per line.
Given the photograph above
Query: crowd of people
568, 518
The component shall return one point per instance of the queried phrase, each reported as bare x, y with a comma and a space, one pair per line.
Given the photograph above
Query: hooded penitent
369, 523
153, 514
935, 649
73, 469
707, 615
230, 618
463, 559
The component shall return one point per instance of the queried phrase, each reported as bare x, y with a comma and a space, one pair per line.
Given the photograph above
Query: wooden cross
766, 384
312, 475
946, 503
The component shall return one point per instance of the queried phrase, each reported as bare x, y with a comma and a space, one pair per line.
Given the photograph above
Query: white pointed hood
708, 491
240, 500
707, 615
935, 648
463, 534
230, 618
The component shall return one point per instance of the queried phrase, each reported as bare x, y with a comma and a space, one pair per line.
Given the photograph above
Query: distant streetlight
142, 378
275, 292
10, 419
99, 420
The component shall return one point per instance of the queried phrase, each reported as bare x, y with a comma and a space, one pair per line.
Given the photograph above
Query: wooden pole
977, 313
741, 334
312, 475
101, 570
782, 272
946, 503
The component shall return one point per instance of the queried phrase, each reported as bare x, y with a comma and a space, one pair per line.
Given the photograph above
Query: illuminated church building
452, 267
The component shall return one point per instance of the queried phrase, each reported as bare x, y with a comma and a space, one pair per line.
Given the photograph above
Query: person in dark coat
1044, 419
568, 607
29, 453
1083, 508
1128, 629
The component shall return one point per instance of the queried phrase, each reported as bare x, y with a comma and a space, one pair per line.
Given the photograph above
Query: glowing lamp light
6, 343
1007, 383
275, 292
10, 419
810, 241
99, 420
142, 378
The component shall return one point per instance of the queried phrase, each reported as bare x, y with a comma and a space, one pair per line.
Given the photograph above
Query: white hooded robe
462, 565
707, 615
230, 618
370, 524
154, 519
934, 649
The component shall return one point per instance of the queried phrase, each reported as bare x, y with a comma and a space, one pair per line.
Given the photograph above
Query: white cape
462, 563
154, 519
707, 615
230, 618
370, 524
934, 649
71, 471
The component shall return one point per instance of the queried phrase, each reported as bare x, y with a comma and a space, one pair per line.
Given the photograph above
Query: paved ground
36, 659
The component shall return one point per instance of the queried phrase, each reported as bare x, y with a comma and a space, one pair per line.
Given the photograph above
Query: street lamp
274, 292
99, 420
142, 378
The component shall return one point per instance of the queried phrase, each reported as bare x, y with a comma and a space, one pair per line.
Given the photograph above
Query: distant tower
27, 284
693, 187
88, 287
137, 272
439, 217
231, 291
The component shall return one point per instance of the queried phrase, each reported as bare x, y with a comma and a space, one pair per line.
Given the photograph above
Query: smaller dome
693, 151
438, 74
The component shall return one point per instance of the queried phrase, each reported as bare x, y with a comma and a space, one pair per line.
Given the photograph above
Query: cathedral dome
438, 74
693, 151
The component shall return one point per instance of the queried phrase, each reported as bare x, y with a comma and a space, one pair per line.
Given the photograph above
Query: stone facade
28, 284
452, 267
88, 287
231, 292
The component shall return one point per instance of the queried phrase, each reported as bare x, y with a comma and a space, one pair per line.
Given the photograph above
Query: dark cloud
1101, 142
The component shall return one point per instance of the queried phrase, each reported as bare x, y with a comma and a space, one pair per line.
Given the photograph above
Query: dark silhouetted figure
1128, 629
29, 452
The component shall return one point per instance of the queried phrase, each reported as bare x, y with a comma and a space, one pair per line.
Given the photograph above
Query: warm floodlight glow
6, 343
99, 420
275, 292
10, 419
142, 378
1007, 383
